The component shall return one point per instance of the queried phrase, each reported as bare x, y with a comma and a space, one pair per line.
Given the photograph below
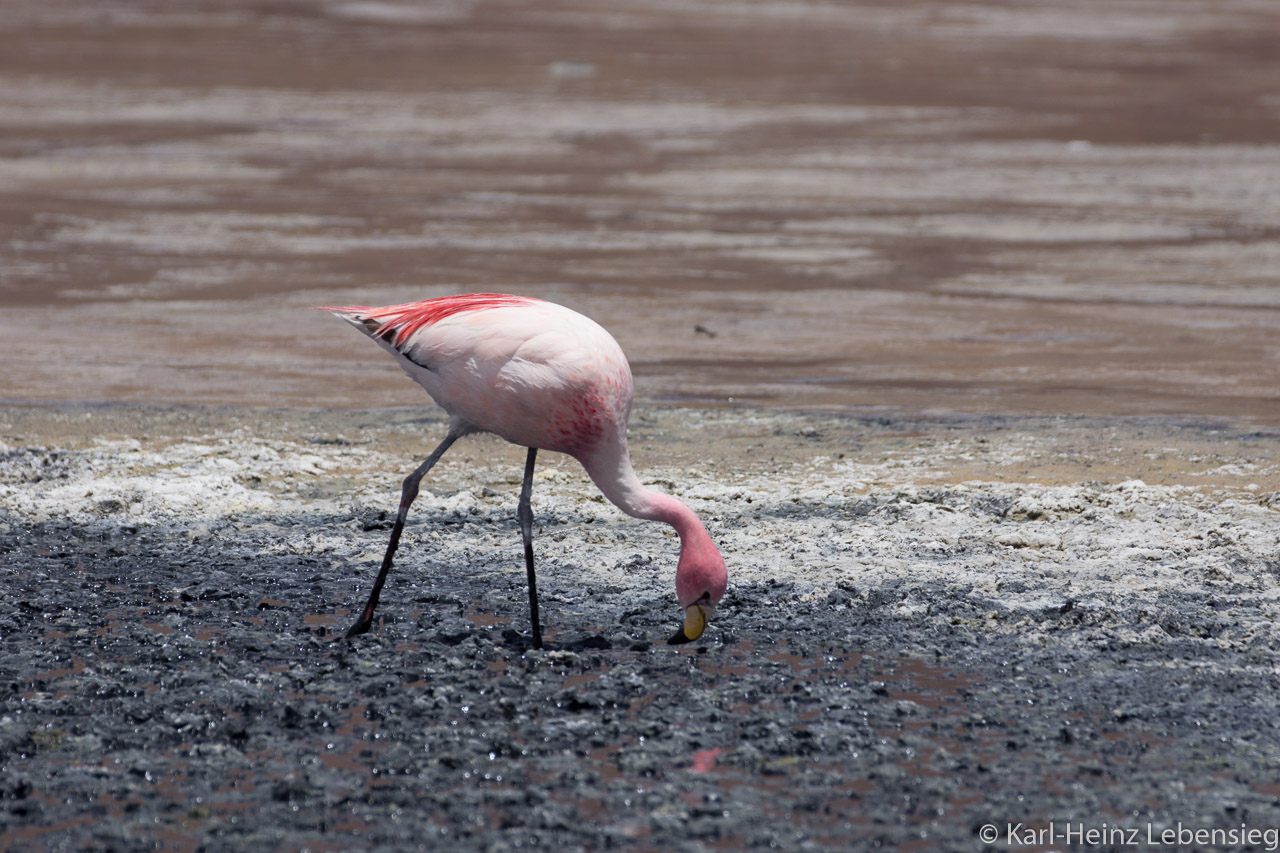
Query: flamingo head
701, 578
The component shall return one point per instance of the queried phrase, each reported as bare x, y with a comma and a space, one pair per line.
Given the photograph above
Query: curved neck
610, 469
701, 570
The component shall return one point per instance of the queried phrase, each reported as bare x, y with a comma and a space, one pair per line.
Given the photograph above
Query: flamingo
547, 378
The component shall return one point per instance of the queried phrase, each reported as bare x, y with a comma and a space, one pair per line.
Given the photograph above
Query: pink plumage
548, 378
398, 322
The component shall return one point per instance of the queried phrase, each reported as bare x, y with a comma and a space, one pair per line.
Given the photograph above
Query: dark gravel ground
160, 690
143, 711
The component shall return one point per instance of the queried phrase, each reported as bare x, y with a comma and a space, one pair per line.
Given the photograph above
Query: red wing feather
398, 322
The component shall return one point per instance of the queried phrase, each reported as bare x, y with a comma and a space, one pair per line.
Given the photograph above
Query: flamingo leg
408, 492
525, 515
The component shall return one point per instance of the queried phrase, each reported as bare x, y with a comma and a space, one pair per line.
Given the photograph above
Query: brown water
903, 206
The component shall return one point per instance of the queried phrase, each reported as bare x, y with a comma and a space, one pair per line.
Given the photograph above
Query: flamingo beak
695, 622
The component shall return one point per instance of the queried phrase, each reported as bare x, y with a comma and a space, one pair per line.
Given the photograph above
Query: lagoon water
909, 207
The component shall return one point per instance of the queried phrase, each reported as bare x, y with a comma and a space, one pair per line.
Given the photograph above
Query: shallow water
909, 207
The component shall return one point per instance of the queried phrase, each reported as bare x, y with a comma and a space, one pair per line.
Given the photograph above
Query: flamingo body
533, 372
548, 378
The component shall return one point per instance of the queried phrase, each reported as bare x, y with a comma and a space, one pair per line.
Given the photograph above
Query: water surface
912, 207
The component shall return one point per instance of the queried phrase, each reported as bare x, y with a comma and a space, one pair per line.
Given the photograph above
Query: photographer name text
1148, 835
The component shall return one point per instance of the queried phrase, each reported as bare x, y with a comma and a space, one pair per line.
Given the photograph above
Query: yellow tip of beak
695, 622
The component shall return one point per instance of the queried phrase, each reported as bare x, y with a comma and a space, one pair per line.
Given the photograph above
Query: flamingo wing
533, 372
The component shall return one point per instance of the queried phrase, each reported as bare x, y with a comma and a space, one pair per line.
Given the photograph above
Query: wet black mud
181, 686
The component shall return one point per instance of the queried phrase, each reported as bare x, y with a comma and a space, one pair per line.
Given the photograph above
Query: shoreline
1075, 445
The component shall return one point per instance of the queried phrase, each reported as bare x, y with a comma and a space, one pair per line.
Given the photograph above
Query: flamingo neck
613, 474
701, 567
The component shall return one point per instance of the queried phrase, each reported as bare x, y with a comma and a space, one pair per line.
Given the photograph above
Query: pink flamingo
544, 377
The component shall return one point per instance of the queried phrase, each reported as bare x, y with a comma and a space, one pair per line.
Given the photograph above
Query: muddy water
908, 206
